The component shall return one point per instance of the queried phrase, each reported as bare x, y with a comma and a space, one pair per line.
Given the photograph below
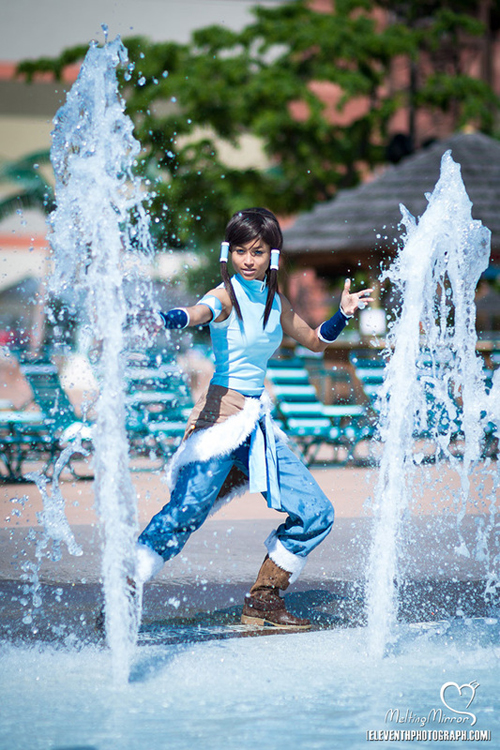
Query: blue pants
310, 513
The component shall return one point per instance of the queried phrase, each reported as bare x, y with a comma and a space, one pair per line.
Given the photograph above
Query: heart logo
465, 692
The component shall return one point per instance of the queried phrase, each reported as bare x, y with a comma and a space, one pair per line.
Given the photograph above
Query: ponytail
229, 289
272, 289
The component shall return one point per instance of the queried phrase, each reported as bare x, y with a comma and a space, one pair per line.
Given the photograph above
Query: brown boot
264, 606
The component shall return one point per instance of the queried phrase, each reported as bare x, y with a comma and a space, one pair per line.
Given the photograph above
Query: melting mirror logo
451, 721
454, 702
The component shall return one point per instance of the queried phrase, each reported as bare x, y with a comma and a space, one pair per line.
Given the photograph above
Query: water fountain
332, 688
99, 219
432, 366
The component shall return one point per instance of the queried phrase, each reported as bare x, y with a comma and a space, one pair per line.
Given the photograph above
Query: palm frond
24, 201
24, 169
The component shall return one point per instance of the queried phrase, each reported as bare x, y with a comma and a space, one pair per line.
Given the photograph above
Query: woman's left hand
350, 302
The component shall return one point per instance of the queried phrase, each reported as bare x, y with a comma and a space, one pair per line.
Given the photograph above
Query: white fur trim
148, 563
283, 558
220, 439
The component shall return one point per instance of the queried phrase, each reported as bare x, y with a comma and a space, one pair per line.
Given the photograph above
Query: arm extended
318, 339
215, 305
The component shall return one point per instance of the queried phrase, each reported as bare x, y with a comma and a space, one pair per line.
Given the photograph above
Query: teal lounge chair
41, 433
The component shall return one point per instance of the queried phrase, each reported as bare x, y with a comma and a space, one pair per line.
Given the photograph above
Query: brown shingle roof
354, 218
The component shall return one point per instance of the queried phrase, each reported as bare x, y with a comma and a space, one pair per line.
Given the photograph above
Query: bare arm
298, 329
303, 334
198, 314
201, 314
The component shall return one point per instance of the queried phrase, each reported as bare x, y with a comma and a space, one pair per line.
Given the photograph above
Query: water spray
434, 382
99, 222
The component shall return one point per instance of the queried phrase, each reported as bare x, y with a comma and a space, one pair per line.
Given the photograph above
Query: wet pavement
199, 593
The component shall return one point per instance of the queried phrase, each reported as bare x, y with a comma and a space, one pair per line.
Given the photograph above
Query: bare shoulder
222, 295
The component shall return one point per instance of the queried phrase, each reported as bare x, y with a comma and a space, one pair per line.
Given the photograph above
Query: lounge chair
158, 404
309, 422
40, 433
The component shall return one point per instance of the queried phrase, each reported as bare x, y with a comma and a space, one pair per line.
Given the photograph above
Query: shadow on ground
190, 612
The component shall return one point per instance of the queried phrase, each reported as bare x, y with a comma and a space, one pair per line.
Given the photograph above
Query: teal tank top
242, 348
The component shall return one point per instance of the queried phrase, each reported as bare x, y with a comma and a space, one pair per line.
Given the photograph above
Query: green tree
187, 99
447, 37
32, 189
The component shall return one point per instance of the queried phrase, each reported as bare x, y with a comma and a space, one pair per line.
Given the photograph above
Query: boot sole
247, 620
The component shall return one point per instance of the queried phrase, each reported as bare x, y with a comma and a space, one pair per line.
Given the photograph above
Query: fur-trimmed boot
264, 606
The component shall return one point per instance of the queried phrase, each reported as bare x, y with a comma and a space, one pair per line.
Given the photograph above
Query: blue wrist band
330, 329
213, 303
176, 318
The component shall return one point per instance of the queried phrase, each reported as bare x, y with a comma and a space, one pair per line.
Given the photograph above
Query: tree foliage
187, 99
32, 189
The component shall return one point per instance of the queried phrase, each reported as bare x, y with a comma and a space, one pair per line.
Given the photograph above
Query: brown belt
215, 405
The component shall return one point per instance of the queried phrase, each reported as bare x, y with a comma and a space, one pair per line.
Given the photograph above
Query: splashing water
99, 220
53, 517
434, 383
488, 552
54, 525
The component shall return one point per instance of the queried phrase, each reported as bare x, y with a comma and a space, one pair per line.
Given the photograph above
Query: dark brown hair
246, 226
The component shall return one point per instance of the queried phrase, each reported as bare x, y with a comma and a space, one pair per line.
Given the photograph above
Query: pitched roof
366, 217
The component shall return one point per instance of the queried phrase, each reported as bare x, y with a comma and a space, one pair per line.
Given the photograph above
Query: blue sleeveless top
242, 348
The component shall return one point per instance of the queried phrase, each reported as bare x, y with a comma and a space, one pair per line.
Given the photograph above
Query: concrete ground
220, 561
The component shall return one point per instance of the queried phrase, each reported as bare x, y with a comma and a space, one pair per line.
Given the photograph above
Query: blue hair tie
224, 252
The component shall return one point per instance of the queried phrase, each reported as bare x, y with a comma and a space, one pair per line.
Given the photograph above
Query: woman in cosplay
231, 443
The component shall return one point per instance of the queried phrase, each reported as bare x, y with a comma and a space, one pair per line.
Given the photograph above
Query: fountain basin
308, 690
195, 683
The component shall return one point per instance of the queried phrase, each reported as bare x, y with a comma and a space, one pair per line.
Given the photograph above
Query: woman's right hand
149, 323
